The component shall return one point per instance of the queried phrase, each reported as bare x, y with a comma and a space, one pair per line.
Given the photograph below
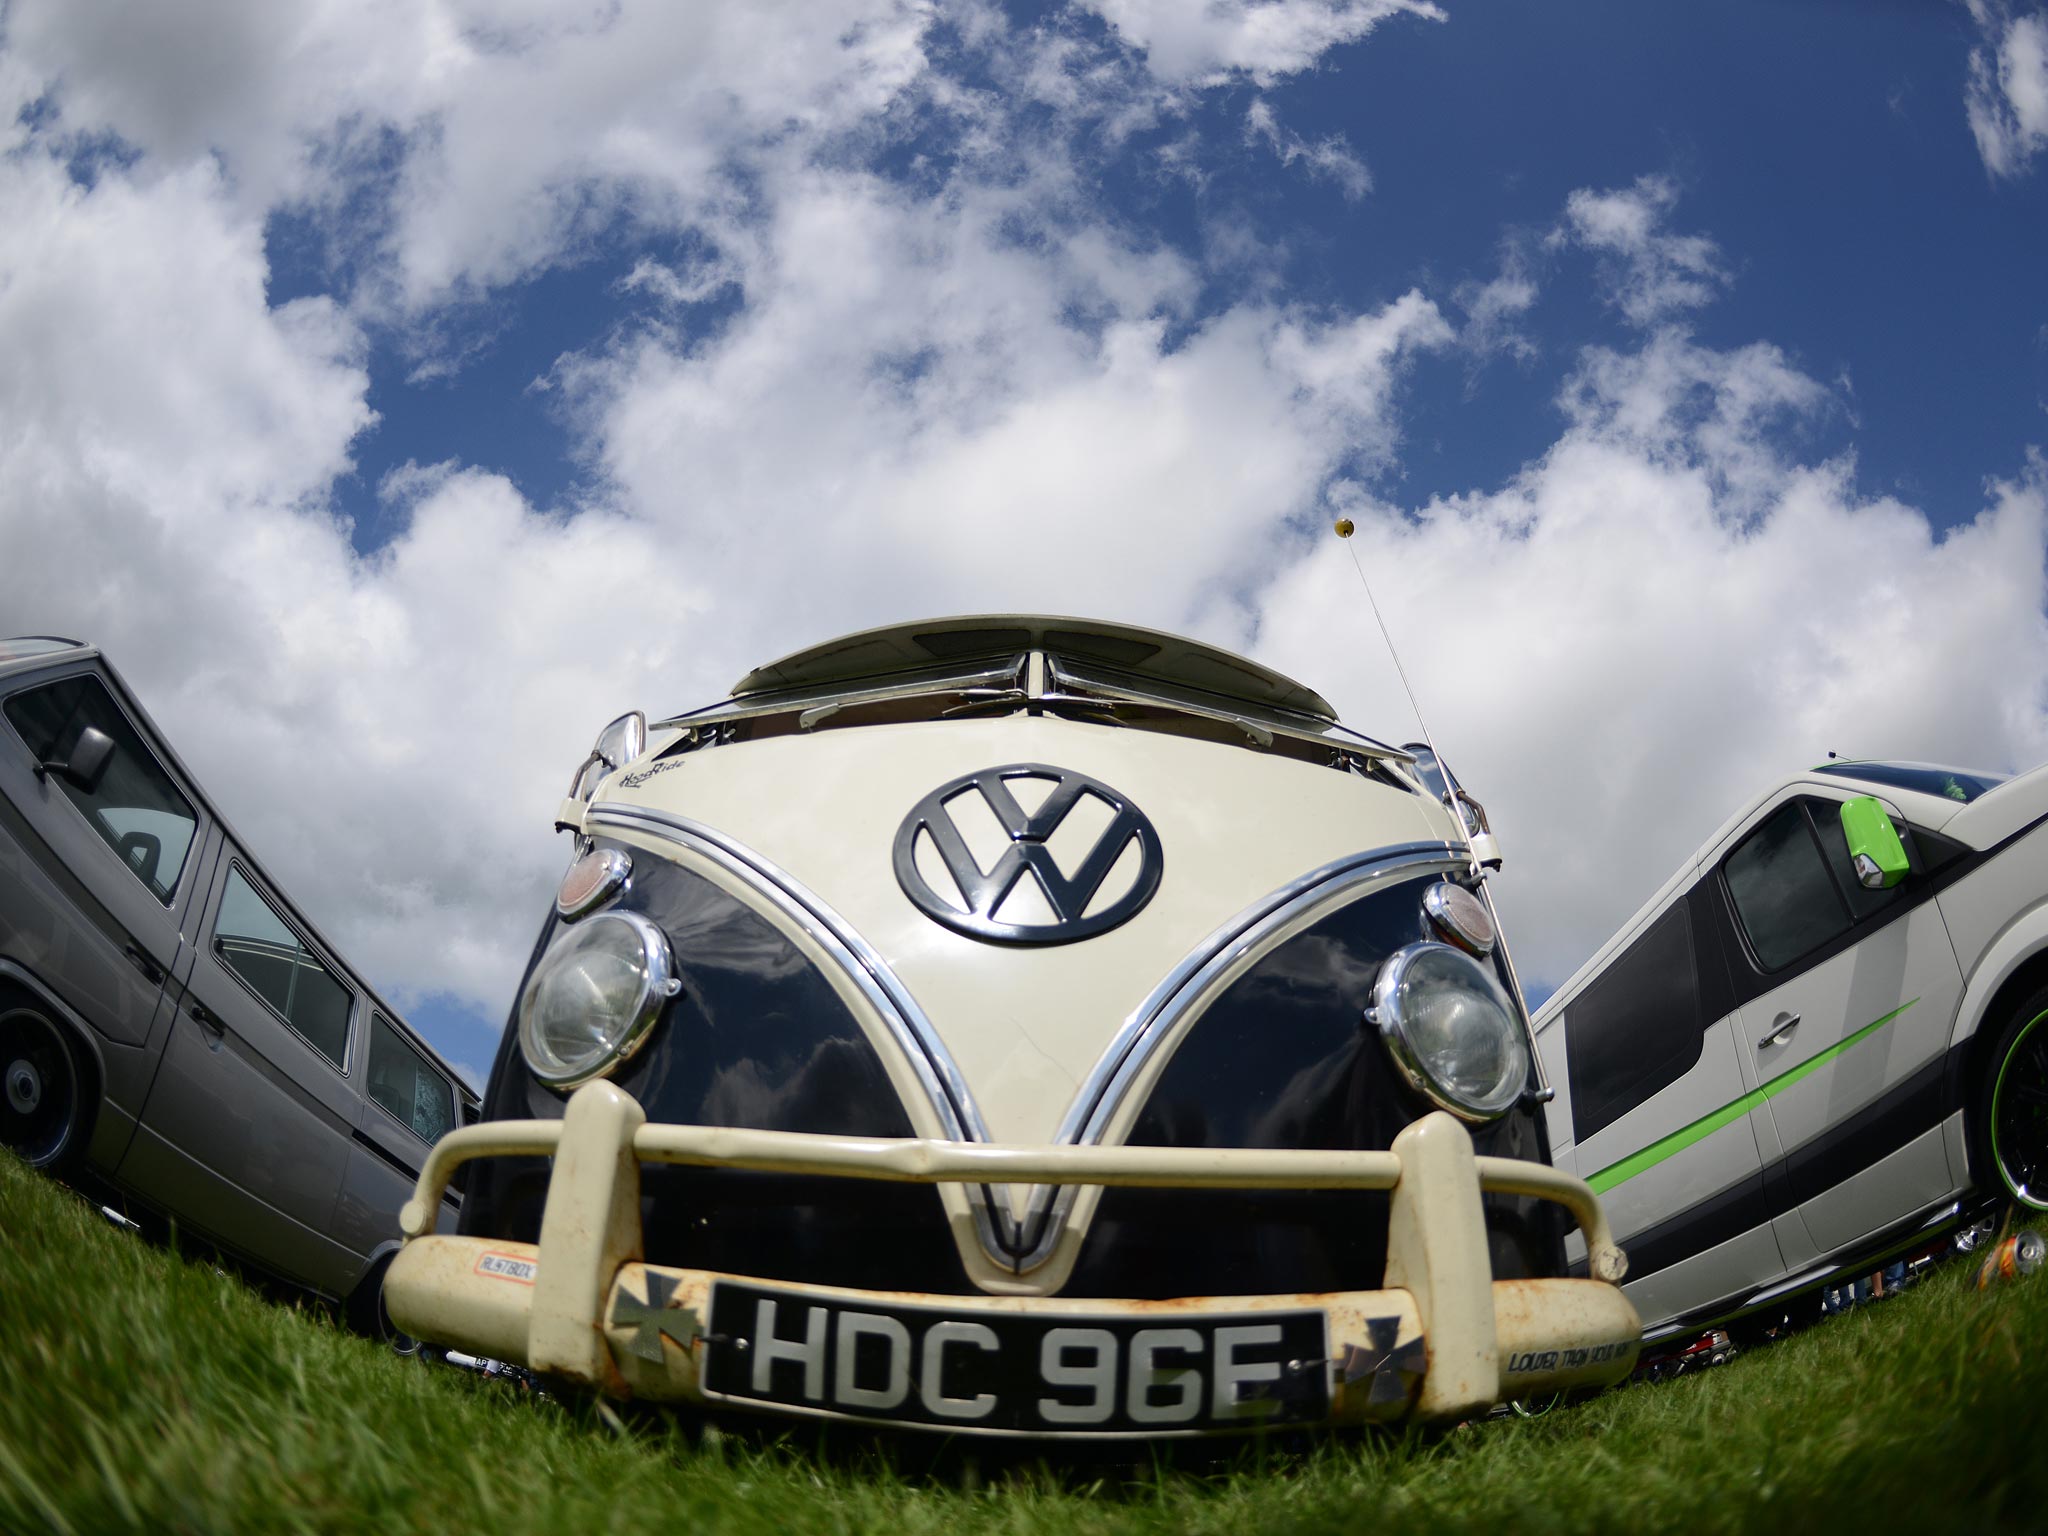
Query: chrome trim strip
1140, 1033
1189, 986
915, 1037
913, 1031
1076, 684
819, 701
1544, 1092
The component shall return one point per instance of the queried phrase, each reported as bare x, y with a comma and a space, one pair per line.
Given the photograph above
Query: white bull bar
547, 1306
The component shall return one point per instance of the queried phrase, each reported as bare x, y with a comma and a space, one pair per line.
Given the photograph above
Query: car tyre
43, 1095
2011, 1123
369, 1316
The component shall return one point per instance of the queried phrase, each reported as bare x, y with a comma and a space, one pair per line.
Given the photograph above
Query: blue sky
400, 392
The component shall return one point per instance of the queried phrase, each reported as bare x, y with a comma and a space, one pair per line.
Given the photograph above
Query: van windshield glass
133, 805
1958, 784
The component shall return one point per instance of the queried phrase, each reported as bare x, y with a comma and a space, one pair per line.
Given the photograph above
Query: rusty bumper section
1441, 1340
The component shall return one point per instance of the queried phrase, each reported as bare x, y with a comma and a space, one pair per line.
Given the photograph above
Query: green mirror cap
1874, 846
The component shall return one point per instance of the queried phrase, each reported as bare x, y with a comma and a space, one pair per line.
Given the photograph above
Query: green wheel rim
2019, 1116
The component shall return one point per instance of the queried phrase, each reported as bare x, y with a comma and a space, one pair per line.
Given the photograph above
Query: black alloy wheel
2015, 1105
42, 1105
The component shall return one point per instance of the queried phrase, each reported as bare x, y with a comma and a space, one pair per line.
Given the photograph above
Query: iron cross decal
654, 1317
1393, 1368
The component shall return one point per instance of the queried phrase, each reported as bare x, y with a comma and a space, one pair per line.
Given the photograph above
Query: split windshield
1089, 690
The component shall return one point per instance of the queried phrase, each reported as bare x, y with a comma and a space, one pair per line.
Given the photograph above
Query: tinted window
1950, 783
22, 646
402, 1083
1638, 1027
261, 948
1787, 902
134, 807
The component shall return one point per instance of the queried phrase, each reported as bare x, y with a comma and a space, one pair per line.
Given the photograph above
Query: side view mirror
617, 745
87, 764
1875, 851
1478, 830
1438, 780
622, 741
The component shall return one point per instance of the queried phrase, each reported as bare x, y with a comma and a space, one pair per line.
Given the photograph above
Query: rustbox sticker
506, 1266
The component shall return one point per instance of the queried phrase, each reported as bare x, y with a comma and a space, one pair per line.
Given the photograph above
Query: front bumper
1441, 1340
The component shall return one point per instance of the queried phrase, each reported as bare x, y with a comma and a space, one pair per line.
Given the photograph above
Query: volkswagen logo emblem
934, 830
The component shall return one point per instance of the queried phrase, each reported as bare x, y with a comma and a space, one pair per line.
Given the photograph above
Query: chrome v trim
1141, 1033
1189, 986
914, 1033
907, 1023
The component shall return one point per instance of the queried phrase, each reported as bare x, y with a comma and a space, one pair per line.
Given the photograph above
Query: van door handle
206, 1018
151, 971
1781, 1031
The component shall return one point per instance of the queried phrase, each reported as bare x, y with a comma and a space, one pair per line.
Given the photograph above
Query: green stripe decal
1728, 1114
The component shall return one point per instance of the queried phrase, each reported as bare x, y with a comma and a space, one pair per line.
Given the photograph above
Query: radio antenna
1543, 1092
1345, 528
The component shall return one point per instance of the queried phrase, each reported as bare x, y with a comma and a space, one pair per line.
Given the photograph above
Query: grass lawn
144, 1391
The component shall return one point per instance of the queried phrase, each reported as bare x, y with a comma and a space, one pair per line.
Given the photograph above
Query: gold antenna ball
1343, 527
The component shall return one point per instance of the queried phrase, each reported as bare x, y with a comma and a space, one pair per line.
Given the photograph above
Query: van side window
1784, 896
415, 1095
1638, 1027
261, 948
135, 807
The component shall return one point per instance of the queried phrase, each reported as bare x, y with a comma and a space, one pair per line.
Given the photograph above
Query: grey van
169, 1022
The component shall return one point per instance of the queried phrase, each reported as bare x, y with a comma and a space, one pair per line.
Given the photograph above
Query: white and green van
1823, 1037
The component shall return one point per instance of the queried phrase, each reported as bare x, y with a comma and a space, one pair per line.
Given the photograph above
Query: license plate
1015, 1372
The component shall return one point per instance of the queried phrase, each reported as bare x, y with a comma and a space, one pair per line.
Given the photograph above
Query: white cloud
516, 137
1329, 157
1202, 44
1674, 402
1649, 273
143, 362
969, 403
450, 148
674, 288
2007, 94
1493, 309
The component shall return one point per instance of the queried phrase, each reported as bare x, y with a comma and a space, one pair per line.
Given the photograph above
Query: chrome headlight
593, 998
1450, 1028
